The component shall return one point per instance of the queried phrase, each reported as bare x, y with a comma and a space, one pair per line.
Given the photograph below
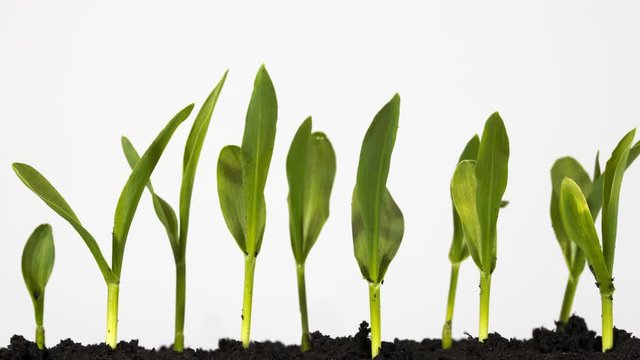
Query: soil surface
574, 341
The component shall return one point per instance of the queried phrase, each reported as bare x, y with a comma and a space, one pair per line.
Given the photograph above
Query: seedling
477, 188
125, 210
376, 220
177, 230
311, 168
578, 223
38, 257
242, 174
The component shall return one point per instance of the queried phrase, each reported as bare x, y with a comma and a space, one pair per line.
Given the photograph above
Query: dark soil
575, 341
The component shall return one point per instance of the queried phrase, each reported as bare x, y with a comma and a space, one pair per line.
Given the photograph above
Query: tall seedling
177, 230
578, 223
477, 188
311, 169
242, 174
125, 210
377, 222
38, 257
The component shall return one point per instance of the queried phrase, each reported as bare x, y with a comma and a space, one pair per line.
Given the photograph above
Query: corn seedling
376, 220
38, 257
580, 228
311, 169
177, 229
242, 175
125, 210
477, 188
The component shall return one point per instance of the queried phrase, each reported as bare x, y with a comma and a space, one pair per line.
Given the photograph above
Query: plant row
477, 187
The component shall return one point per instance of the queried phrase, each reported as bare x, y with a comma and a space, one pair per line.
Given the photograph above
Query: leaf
613, 173
38, 257
132, 191
580, 228
231, 193
257, 147
464, 190
43, 188
371, 216
491, 174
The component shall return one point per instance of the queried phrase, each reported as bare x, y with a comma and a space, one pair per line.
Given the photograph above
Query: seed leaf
464, 188
38, 257
311, 168
231, 193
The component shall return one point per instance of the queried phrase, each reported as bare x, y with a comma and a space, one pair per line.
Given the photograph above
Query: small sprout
578, 222
376, 220
125, 210
311, 169
458, 251
38, 257
477, 188
242, 175
177, 230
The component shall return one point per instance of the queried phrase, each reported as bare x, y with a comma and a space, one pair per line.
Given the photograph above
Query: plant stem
453, 284
607, 320
113, 291
178, 342
485, 291
38, 304
374, 307
305, 342
249, 269
567, 302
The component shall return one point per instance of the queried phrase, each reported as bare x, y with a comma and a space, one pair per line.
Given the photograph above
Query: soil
574, 341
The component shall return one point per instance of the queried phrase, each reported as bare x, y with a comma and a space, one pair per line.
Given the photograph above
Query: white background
77, 75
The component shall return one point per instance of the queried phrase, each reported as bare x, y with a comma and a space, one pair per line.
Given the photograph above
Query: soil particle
570, 342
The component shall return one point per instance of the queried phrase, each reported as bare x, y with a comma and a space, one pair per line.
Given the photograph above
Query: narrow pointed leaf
38, 257
464, 188
231, 193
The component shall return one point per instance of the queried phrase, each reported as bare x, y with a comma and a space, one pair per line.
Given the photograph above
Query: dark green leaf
38, 257
231, 193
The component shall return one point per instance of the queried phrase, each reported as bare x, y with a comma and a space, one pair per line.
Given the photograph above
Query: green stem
305, 342
374, 308
38, 305
181, 285
567, 302
485, 291
607, 320
446, 329
249, 269
113, 291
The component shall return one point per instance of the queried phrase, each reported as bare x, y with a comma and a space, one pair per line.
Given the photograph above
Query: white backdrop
77, 75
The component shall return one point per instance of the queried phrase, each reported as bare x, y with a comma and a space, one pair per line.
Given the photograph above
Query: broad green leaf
134, 187
257, 148
43, 188
491, 175
391, 232
311, 168
38, 257
580, 228
371, 217
464, 190
613, 173
231, 193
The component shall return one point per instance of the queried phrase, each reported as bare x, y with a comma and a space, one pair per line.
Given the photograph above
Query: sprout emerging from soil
579, 225
125, 211
242, 175
377, 222
477, 188
38, 257
311, 169
177, 229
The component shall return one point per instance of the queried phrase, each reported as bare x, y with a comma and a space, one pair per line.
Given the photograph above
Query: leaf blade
38, 257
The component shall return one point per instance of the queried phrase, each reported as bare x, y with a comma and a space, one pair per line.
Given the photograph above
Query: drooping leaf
134, 187
38, 257
231, 193
464, 188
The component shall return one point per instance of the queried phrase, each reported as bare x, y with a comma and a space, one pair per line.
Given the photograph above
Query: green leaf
38, 257
613, 173
580, 228
491, 175
311, 169
133, 189
464, 189
231, 193
43, 188
377, 223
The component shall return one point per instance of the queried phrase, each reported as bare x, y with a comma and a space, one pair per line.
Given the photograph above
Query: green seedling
242, 175
125, 210
377, 222
177, 229
580, 228
311, 169
38, 257
477, 188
